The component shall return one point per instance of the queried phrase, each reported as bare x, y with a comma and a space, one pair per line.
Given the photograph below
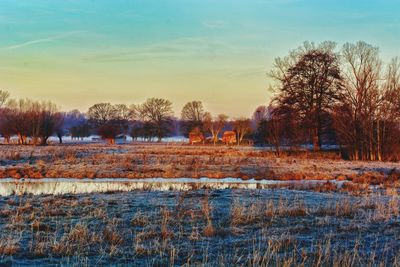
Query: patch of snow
59, 186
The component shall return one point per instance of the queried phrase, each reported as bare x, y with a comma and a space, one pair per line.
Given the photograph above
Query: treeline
322, 96
346, 96
34, 122
154, 119
29, 119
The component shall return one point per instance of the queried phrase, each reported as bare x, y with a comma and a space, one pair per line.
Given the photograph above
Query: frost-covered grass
288, 223
200, 227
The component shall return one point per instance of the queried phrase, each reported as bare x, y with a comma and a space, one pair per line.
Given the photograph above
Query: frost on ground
201, 227
60, 186
214, 221
176, 161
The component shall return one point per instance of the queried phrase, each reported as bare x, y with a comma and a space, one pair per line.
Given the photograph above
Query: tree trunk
111, 141
35, 140
378, 130
44, 141
20, 141
316, 143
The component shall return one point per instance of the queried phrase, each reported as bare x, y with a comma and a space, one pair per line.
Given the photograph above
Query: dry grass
78, 229
9, 246
266, 231
175, 161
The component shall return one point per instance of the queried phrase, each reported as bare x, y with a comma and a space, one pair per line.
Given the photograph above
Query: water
58, 186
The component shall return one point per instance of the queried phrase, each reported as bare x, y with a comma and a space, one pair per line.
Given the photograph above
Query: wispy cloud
176, 48
214, 24
43, 40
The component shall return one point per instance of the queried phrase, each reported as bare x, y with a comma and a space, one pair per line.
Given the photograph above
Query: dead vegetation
176, 161
257, 228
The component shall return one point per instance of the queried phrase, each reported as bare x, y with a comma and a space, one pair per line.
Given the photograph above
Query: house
229, 137
196, 138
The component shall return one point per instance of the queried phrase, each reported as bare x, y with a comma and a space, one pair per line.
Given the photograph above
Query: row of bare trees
151, 119
25, 119
34, 122
345, 96
195, 119
154, 119
323, 96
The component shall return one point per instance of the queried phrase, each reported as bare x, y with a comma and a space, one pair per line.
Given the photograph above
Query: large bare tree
357, 117
30, 119
262, 113
192, 116
158, 112
309, 85
242, 127
100, 114
48, 120
4, 95
215, 125
193, 111
110, 120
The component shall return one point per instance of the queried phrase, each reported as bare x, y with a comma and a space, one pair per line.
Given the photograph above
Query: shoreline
59, 186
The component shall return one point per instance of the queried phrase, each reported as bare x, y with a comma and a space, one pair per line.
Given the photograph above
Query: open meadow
265, 227
178, 160
200, 133
350, 218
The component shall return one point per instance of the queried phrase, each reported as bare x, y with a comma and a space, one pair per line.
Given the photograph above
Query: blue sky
78, 52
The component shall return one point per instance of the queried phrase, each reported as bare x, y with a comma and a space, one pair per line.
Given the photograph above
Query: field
200, 227
352, 223
177, 160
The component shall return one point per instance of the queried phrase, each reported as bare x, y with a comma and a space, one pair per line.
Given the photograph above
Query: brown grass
175, 161
157, 231
9, 246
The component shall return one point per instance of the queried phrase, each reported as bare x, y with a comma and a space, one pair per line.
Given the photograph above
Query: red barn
196, 138
229, 137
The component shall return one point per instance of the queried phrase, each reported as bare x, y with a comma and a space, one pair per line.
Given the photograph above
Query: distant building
196, 137
229, 137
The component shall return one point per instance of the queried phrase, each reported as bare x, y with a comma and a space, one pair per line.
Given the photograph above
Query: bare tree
215, 125
106, 119
192, 116
158, 112
310, 84
19, 119
4, 112
76, 124
4, 95
108, 131
357, 115
241, 126
5, 128
388, 122
262, 113
30, 119
281, 129
100, 114
123, 117
50, 119
80, 131
59, 118
134, 112
193, 111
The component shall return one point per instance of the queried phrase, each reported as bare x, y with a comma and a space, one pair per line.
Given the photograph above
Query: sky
80, 52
